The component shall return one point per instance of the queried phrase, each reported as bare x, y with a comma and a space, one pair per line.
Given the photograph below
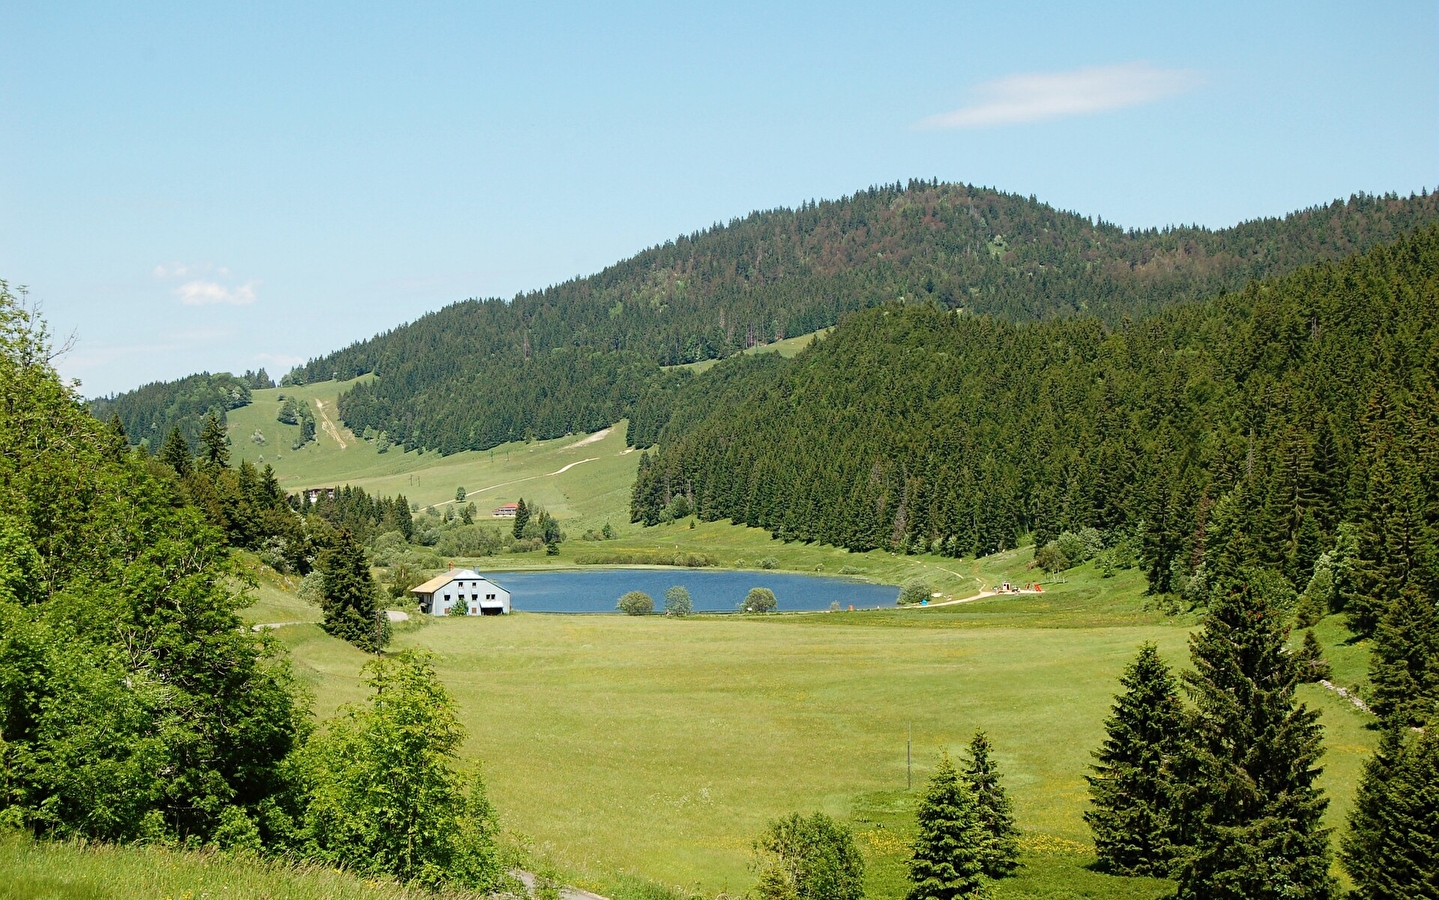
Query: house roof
509, 506
444, 578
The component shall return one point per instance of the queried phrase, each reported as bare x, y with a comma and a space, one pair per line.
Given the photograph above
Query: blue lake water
597, 591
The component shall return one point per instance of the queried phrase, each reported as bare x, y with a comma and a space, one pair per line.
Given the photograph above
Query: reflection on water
594, 591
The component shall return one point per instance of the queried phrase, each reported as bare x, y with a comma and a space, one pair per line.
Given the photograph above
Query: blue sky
198, 186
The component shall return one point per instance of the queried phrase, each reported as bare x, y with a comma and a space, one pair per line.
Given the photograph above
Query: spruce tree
175, 452
1392, 848
348, 595
948, 859
1248, 763
1001, 845
214, 443
1313, 667
1132, 819
1405, 664
522, 518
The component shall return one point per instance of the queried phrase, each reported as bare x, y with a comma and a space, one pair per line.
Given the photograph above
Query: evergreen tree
1313, 667
1248, 764
214, 443
1132, 820
348, 597
1392, 847
948, 859
1405, 664
522, 518
176, 453
1001, 845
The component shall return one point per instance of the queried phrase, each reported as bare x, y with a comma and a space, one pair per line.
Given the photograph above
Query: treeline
150, 412
136, 707
579, 355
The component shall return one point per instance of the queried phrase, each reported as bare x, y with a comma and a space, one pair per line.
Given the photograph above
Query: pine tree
214, 443
348, 598
1313, 667
1365, 853
1250, 808
948, 859
1392, 848
1405, 664
1132, 820
176, 452
522, 518
1001, 846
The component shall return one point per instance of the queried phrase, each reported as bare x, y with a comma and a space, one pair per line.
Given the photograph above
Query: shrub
851, 570
915, 590
649, 558
769, 562
1050, 559
636, 603
814, 858
760, 600
677, 602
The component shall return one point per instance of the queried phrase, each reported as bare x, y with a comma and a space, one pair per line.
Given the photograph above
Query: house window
489, 596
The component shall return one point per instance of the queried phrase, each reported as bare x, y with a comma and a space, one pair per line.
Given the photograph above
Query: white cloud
170, 270
1041, 96
210, 293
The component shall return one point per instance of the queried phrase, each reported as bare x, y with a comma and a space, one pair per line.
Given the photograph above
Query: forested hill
1254, 424
149, 412
576, 356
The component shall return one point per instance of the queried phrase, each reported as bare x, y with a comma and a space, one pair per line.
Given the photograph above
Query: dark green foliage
214, 443
380, 792
149, 413
1392, 847
1132, 816
1226, 433
1404, 666
1246, 770
759, 600
813, 858
176, 452
582, 355
522, 518
134, 704
948, 859
1000, 856
636, 603
1313, 667
348, 596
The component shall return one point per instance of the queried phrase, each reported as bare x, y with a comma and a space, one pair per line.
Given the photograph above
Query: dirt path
592, 439
329, 426
565, 892
1347, 695
980, 596
560, 471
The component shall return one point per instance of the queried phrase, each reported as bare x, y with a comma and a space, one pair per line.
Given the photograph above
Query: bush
913, 591
677, 602
769, 562
851, 570
648, 558
636, 603
759, 600
812, 858
1050, 559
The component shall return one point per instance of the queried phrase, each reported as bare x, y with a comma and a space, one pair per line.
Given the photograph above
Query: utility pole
909, 759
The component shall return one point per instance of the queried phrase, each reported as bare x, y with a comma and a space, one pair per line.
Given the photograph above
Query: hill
577, 356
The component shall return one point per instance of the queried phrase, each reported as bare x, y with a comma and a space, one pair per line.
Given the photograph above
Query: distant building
508, 511
462, 592
316, 493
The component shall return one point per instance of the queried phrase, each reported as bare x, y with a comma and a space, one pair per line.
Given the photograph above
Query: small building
462, 592
314, 494
508, 511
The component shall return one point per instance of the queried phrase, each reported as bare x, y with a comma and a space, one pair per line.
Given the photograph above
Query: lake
597, 591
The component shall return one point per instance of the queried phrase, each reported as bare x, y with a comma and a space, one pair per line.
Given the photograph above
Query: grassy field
620, 747
31, 870
787, 348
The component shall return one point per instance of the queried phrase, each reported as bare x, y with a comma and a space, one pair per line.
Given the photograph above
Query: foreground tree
948, 859
1132, 815
1392, 847
348, 596
134, 704
522, 518
381, 791
1001, 848
759, 600
812, 858
1248, 763
1405, 664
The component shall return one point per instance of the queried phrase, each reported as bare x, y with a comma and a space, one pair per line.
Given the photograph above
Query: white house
464, 591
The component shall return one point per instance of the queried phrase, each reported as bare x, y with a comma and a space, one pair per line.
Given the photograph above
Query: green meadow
629, 750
